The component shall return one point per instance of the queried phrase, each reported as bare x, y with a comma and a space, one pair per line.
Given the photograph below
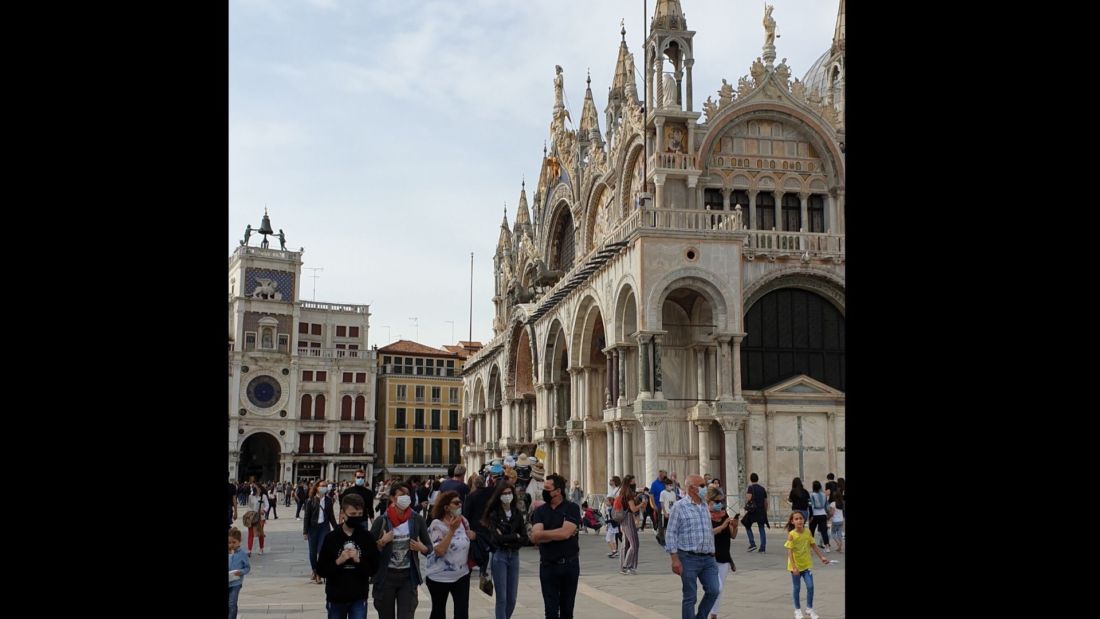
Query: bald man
689, 540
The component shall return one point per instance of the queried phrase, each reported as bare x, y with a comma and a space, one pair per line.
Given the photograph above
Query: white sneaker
811, 614
797, 614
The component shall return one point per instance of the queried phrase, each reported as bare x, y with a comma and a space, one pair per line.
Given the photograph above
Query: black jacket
350, 581
309, 521
507, 533
366, 494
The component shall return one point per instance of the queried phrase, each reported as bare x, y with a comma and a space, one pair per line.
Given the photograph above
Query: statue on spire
769, 25
559, 83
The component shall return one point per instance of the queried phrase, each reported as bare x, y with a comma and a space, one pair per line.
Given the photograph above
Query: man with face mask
363, 491
348, 558
402, 537
689, 540
555, 531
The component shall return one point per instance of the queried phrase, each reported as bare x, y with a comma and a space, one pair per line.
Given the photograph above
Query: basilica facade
673, 295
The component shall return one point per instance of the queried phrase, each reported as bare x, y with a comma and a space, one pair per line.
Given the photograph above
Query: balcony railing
760, 241
336, 307
671, 161
333, 353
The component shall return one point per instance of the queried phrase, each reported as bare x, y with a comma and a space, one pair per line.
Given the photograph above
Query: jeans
459, 591
723, 571
705, 569
397, 587
559, 587
347, 610
763, 537
505, 569
819, 523
234, 592
298, 512
796, 582
316, 538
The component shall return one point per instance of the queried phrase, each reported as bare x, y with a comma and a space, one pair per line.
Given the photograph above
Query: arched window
345, 408
307, 404
790, 332
765, 210
817, 213
792, 212
319, 407
562, 251
360, 408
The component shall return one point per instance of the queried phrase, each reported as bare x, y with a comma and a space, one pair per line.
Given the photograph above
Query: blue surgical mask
717, 507
323, 490
359, 481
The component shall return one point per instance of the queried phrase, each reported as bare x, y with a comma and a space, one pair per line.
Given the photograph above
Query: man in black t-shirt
556, 523
757, 497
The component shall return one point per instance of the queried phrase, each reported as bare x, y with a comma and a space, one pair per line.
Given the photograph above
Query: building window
267, 338
418, 451
353, 331
360, 408
452, 420
791, 332
435, 393
341, 331
765, 211
712, 199
307, 376
319, 443
348, 377
284, 343
419, 391
361, 377
400, 421
741, 197
303, 443
435, 419
345, 443
307, 405
402, 391
303, 328
453, 451
319, 407
322, 377
250, 341
792, 213
437, 451
453, 395
314, 329
399, 451
386, 360
345, 408
418, 419
357, 443
816, 212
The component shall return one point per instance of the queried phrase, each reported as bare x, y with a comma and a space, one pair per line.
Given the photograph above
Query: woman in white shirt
614, 534
447, 572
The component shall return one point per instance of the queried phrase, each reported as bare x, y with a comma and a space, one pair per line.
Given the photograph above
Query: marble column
658, 340
730, 480
804, 199
620, 455
643, 366
609, 390
700, 374
574, 457
612, 463
688, 64
591, 440
620, 369
704, 445
628, 449
737, 366
649, 426
724, 382
830, 443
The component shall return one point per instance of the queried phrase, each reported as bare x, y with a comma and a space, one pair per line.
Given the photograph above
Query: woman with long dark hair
820, 516
629, 503
507, 534
319, 519
799, 499
256, 527
446, 570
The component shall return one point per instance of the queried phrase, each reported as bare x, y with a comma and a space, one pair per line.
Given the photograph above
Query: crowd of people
437, 531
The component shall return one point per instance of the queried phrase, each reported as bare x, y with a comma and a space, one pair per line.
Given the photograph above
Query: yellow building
419, 407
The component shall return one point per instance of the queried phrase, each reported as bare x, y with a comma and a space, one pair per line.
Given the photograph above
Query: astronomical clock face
264, 392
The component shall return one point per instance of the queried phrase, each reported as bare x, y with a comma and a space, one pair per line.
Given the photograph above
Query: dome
819, 78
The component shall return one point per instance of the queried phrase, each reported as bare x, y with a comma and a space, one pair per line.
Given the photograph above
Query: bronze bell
265, 225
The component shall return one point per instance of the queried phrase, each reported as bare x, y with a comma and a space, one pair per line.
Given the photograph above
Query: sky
386, 137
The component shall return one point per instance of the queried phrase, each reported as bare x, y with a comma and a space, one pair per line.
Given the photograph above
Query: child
798, 545
238, 567
836, 514
589, 519
347, 560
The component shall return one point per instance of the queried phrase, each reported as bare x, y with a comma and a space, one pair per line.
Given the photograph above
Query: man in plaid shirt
689, 539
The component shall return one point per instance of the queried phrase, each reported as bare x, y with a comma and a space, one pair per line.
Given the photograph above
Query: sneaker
752, 548
797, 613
623, 571
810, 614
633, 572
761, 551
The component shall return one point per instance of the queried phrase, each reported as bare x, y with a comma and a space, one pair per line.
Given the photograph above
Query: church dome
821, 75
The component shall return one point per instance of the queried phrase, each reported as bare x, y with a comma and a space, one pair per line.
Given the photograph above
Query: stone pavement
279, 586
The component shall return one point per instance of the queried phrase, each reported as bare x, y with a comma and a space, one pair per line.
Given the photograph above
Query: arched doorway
259, 458
790, 332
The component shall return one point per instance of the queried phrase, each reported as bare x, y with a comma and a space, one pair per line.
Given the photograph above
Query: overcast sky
385, 137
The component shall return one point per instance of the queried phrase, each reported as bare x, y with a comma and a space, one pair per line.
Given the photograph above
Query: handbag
486, 584
249, 518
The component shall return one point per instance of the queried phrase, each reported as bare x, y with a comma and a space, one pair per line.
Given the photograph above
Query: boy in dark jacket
348, 559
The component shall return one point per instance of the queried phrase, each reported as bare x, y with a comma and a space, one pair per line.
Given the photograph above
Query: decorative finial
544, 149
589, 80
622, 23
523, 183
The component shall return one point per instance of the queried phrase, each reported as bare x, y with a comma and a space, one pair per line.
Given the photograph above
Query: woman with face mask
629, 502
317, 522
402, 537
447, 572
724, 529
507, 534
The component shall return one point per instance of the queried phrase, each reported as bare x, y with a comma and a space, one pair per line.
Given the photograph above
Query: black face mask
546, 496
633, 486
355, 522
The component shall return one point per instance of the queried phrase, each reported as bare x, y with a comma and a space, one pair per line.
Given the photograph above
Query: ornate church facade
673, 295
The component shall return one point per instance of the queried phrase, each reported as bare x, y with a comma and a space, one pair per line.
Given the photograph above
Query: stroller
591, 520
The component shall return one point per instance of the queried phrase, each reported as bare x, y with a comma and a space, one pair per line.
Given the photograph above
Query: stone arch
626, 311
825, 284
705, 283
585, 328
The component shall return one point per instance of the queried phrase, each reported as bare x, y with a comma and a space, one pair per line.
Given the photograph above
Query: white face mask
506, 498
404, 501
323, 490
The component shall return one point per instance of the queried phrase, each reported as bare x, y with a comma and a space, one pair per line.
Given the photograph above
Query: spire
589, 120
623, 68
505, 240
668, 16
838, 33
523, 216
